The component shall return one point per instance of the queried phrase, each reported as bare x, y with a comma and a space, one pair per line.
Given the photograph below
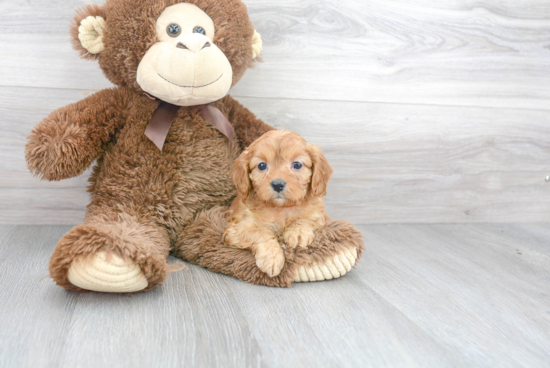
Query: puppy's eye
296, 165
199, 29
173, 30
262, 166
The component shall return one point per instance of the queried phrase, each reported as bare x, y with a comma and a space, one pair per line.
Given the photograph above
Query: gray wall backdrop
429, 111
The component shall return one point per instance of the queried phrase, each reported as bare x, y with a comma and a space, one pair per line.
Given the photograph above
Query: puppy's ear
322, 171
241, 176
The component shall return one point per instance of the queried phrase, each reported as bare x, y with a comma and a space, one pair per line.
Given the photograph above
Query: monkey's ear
87, 31
256, 44
322, 171
241, 175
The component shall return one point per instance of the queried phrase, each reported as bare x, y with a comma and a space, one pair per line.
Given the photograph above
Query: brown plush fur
145, 201
259, 213
201, 243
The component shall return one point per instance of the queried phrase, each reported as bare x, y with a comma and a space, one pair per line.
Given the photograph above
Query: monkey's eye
296, 165
262, 166
173, 30
199, 29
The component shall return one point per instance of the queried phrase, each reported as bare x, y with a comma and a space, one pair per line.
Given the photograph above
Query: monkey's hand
57, 149
65, 143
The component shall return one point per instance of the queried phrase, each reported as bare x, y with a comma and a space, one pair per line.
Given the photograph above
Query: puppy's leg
236, 235
302, 232
269, 256
248, 234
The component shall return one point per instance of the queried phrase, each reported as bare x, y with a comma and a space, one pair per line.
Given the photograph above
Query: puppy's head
281, 169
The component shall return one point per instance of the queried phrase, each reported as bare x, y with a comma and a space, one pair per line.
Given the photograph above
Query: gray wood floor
472, 295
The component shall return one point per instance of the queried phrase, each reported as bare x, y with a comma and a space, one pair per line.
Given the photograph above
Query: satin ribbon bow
160, 124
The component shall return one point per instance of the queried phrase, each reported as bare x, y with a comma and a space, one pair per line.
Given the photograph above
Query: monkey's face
185, 67
186, 53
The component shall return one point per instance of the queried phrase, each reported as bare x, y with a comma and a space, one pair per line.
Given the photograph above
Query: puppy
281, 180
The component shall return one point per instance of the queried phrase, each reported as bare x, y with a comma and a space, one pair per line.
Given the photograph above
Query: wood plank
187, 322
338, 323
33, 318
480, 289
447, 53
471, 295
5, 230
58, 206
393, 163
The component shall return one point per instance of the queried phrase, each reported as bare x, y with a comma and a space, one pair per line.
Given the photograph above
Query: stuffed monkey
163, 141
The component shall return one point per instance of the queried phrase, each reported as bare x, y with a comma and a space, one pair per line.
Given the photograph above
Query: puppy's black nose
278, 185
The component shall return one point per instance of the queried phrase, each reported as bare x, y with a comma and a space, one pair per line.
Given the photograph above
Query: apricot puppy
281, 180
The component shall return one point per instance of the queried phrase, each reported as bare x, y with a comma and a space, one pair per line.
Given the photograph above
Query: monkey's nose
181, 46
278, 185
193, 46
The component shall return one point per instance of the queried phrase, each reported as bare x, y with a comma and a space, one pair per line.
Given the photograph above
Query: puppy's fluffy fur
263, 211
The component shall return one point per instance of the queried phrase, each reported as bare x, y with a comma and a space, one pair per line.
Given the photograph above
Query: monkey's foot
335, 250
107, 273
332, 268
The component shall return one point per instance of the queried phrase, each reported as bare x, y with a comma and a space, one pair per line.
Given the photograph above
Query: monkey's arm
247, 126
65, 143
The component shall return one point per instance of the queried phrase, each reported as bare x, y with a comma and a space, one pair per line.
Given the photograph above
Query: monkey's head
185, 53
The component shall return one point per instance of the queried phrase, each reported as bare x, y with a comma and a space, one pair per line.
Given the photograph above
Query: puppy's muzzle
278, 185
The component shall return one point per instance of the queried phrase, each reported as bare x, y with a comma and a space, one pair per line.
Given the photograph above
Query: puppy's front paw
299, 236
230, 236
270, 258
233, 237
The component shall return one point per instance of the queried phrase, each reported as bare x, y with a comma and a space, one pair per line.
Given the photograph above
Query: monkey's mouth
177, 85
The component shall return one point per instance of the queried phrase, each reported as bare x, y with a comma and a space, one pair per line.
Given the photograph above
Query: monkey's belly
203, 176
190, 174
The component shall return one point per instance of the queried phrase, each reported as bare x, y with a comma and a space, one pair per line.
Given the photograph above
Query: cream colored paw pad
108, 274
336, 267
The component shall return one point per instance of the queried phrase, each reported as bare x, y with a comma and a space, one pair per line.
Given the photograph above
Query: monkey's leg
111, 254
334, 251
